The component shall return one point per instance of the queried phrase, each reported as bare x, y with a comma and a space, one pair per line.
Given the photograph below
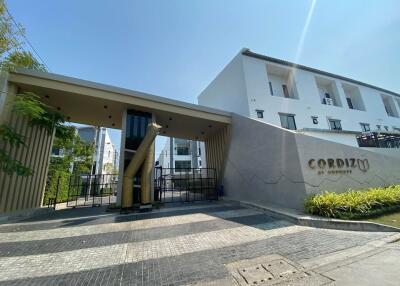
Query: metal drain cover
273, 270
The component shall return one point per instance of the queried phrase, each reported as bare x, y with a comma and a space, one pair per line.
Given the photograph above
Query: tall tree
26, 104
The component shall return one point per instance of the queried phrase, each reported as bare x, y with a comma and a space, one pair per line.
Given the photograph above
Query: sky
175, 48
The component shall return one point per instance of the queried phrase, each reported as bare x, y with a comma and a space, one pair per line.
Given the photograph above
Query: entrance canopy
103, 105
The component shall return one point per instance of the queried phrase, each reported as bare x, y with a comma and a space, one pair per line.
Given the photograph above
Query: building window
270, 88
349, 103
335, 124
260, 113
287, 121
353, 96
199, 151
365, 127
285, 90
390, 106
378, 127
314, 119
199, 163
386, 128
183, 164
182, 150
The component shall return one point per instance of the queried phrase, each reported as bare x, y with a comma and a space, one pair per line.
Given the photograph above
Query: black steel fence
94, 190
185, 185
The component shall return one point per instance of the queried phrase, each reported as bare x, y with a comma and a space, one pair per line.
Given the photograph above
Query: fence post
58, 185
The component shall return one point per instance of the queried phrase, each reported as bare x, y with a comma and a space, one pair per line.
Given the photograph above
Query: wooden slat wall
20, 192
216, 151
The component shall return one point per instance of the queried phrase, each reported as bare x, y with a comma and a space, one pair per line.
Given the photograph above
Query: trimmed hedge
355, 203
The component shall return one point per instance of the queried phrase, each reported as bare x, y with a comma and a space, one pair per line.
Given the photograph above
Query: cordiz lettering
334, 166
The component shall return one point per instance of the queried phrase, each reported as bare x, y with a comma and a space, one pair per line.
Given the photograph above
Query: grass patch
392, 219
355, 204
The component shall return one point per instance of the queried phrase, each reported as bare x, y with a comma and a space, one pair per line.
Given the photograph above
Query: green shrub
354, 203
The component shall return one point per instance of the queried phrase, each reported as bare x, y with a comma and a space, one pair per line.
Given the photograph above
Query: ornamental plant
355, 203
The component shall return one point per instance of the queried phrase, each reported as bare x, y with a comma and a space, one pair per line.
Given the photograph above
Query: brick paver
174, 246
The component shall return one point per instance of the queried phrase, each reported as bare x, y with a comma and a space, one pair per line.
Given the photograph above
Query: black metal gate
92, 190
185, 185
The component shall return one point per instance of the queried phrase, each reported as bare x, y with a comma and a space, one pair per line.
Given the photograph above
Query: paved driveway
183, 245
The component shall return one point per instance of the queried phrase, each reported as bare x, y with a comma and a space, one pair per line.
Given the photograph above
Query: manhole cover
256, 274
273, 270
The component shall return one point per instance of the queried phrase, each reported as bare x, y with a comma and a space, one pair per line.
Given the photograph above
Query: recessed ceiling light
113, 124
105, 106
170, 118
68, 118
58, 108
47, 96
109, 116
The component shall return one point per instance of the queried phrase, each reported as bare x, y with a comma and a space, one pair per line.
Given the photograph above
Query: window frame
363, 125
287, 116
349, 103
335, 121
271, 90
285, 90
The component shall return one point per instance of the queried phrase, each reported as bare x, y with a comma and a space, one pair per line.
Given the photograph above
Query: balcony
328, 91
281, 82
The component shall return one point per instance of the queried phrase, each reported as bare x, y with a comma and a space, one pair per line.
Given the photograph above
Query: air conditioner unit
328, 101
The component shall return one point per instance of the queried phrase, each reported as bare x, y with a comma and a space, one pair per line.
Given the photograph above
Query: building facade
255, 120
181, 154
105, 157
307, 100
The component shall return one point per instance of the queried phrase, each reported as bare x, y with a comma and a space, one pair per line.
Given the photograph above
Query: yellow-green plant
354, 203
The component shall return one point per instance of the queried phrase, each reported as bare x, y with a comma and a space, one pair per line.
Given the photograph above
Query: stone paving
182, 245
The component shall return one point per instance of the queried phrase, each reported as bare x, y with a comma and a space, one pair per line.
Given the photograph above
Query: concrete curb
314, 221
25, 214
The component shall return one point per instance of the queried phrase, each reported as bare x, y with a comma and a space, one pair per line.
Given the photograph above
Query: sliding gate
185, 185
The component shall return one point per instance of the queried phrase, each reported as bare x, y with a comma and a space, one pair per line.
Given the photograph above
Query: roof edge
119, 90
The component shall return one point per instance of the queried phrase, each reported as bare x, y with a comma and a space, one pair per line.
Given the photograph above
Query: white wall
228, 90
343, 138
309, 102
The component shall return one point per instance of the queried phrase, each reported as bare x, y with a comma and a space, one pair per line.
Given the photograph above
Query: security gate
185, 185
92, 190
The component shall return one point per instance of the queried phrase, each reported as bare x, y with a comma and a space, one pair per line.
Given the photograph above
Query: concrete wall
228, 90
262, 164
266, 164
342, 138
391, 152
382, 170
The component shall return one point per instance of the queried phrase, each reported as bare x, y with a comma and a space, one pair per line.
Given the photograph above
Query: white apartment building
105, 157
308, 100
181, 154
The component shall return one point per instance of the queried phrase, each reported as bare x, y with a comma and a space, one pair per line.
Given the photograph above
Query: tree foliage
26, 104
21, 59
76, 158
9, 34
